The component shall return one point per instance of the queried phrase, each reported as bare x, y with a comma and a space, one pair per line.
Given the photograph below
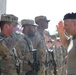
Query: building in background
2, 7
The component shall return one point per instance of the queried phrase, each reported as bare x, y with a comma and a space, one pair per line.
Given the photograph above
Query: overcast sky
53, 9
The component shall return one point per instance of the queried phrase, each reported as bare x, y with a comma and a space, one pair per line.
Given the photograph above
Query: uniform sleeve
41, 51
13, 40
3, 49
23, 50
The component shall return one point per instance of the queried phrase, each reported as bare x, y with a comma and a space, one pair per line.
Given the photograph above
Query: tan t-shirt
71, 61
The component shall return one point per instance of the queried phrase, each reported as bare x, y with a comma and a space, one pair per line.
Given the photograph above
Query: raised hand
60, 27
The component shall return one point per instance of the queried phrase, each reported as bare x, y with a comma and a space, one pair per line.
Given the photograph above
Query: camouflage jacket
8, 61
16, 40
24, 52
42, 49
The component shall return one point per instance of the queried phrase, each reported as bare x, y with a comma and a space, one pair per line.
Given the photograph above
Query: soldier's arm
41, 51
60, 29
13, 40
3, 49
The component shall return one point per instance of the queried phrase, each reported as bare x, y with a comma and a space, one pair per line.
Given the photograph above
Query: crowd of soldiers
30, 52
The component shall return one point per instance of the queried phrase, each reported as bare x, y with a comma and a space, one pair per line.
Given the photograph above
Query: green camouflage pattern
9, 18
24, 53
27, 22
37, 18
8, 61
42, 53
14, 41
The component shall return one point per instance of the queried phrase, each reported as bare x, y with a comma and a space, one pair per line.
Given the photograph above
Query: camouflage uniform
42, 55
64, 63
17, 43
26, 55
37, 44
29, 53
41, 35
21, 50
8, 61
51, 67
49, 51
59, 57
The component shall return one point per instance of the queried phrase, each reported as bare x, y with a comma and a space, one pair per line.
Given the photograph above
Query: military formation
30, 52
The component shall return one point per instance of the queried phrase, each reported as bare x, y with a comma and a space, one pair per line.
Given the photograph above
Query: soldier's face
32, 30
25, 29
44, 24
69, 26
10, 28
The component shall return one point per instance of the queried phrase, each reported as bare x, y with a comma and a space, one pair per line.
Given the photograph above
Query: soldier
59, 53
23, 51
49, 43
43, 24
24, 47
7, 23
29, 29
15, 47
69, 27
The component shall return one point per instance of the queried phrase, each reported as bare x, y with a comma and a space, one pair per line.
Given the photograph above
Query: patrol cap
25, 22
9, 18
37, 18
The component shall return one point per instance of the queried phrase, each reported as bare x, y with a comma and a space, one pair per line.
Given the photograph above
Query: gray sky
53, 9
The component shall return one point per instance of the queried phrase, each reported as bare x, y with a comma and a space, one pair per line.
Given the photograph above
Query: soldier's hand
60, 27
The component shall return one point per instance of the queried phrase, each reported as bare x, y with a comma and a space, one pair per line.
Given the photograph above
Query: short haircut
2, 23
70, 16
